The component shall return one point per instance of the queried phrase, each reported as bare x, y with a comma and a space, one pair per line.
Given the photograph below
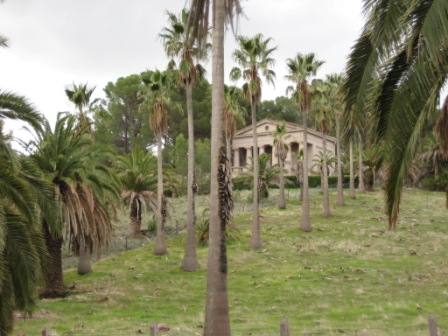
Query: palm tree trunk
281, 196
228, 139
217, 320
54, 280
361, 185
340, 200
352, 193
305, 224
326, 202
136, 219
255, 241
300, 179
84, 259
160, 247
190, 261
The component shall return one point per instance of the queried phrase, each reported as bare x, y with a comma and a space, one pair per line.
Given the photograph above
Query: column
236, 158
288, 159
248, 157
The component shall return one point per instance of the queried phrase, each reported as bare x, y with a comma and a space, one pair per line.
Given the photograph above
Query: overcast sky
53, 43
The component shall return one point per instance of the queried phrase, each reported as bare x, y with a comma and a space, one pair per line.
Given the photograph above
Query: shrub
430, 182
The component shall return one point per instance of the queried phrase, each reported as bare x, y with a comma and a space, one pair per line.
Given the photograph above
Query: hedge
245, 182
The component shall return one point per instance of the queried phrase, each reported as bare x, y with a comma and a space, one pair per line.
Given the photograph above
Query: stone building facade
242, 145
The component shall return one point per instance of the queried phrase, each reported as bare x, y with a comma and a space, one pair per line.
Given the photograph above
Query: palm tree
216, 306
300, 69
299, 173
352, 192
178, 44
139, 183
17, 107
322, 160
233, 115
156, 102
22, 248
361, 185
281, 149
396, 70
255, 56
80, 95
334, 81
24, 196
322, 115
3, 41
83, 188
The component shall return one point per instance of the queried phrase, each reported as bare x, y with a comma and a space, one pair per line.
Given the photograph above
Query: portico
242, 148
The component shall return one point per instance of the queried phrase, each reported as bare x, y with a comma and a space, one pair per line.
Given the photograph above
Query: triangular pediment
266, 126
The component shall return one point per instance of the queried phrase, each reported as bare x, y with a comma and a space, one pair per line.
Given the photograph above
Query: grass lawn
348, 276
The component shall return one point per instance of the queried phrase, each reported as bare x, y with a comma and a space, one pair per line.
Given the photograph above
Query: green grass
348, 276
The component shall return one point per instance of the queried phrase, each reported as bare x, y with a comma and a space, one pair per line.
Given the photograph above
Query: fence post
284, 327
154, 329
46, 331
432, 323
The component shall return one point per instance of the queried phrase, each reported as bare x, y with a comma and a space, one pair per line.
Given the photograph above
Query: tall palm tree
352, 192
322, 115
361, 184
402, 50
334, 82
281, 149
255, 57
300, 69
216, 307
233, 116
178, 43
138, 183
83, 188
156, 102
80, 95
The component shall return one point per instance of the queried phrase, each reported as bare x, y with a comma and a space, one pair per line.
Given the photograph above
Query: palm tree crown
256, 59
395, 72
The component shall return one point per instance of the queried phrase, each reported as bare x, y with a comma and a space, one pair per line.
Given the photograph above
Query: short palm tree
156, 102
138, 180
82, 186
24, 195
322, 160
179, 44
300, 69
281, 149
255, 57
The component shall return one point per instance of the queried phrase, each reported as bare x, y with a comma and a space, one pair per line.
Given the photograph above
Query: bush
202, 230
435, 184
